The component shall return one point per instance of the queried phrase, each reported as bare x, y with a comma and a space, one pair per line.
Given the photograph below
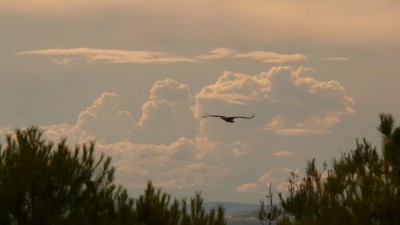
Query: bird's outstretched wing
229, 119
244, 117
208, 115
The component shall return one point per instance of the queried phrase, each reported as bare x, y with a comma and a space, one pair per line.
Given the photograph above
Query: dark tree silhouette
45, 184
157, 208
362, 187
42, 183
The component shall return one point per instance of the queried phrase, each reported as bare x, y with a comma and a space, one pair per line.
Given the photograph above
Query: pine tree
362, 187
41, 183
46, 184
157, 208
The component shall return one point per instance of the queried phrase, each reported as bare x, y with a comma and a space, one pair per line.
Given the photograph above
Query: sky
138, 75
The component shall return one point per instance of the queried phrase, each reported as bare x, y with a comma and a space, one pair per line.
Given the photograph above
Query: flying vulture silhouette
229, 119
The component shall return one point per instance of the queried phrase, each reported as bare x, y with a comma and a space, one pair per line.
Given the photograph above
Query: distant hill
238, 213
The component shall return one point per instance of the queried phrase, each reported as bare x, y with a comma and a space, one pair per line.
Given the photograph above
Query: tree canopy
361, 187
46, 183
156, 207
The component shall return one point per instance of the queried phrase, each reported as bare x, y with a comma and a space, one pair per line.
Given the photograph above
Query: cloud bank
292, 102
172, 145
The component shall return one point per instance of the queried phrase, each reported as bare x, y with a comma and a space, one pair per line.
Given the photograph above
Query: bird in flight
229, 119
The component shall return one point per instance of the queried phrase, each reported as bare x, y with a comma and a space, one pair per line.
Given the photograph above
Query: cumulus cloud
236, 88
246, 187
172, 146
73, 134
106, 120
233, 94
309, 106
182, 159
182, 164
166, 115
278, 177
110, 55
285, 100
55, 133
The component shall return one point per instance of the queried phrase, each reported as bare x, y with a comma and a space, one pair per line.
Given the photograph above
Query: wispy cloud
92, 55
336, 58
263, 56
279, 126
112, 56
62, 61
218, 53
272, 57
282, 153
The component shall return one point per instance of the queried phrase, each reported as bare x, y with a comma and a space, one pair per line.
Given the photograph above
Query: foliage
43, 183
156, 208
363, 186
